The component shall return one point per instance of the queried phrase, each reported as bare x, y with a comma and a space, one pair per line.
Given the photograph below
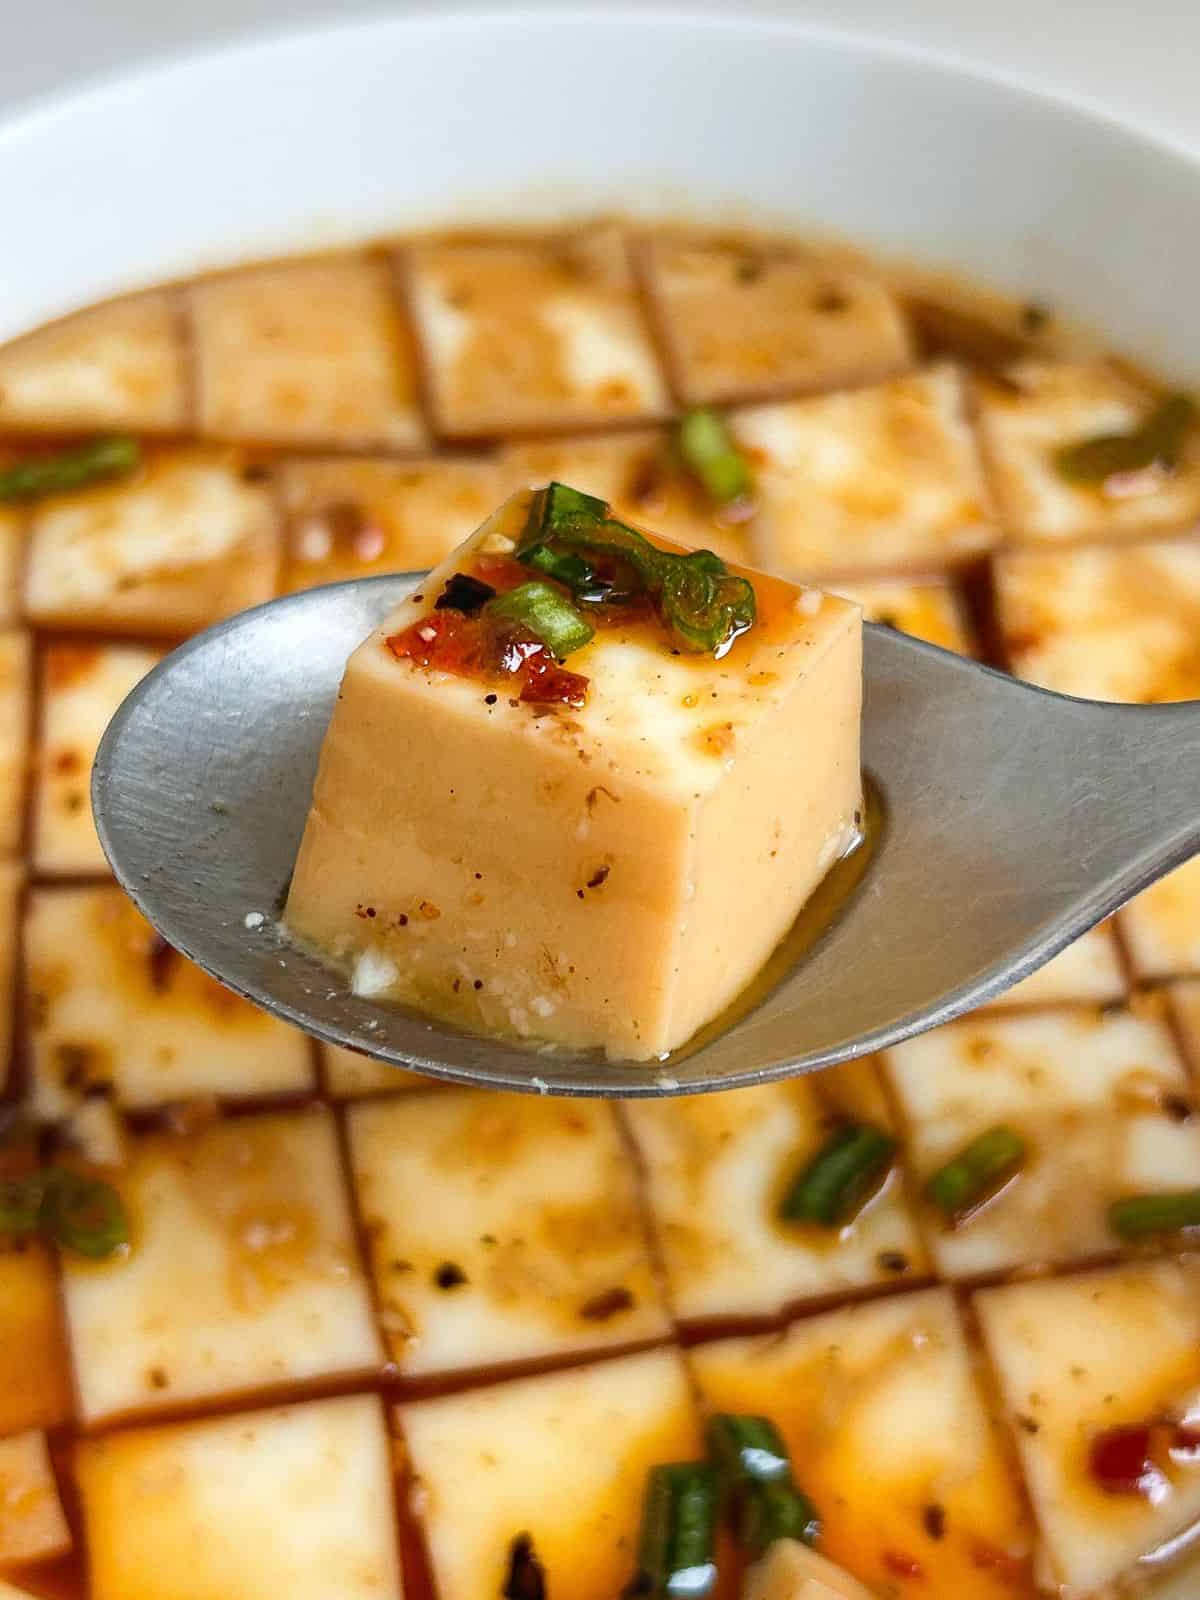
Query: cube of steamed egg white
605, 877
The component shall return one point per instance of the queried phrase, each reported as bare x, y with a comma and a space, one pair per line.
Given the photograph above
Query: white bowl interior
358, 129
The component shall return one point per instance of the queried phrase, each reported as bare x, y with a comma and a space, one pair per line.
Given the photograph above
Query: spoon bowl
1017, 819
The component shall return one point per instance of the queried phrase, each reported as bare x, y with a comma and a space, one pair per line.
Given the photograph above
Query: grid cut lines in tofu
563, 1457
1076, 1357
183, 543
1102, 1101
716, 1167
878, 480
527, 1241
112, 1007
306, 353
268, 1292
295, 1502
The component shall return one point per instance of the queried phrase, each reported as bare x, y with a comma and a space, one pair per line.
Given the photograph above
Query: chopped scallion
1157, 442
710, 453
754, 1474
1143, 1216
547, 614
834, 1186
21, 1204
84, 1215
69, 469
676, 1558
770, 1511
746, 1449
977, 1172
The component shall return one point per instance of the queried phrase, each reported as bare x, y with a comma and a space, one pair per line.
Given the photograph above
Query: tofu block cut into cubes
742, 321
528, 1241
609, 877
113, 1008
268, 1291
35, 1386
296, 1502
32, 1524
563, 1458
1162, 925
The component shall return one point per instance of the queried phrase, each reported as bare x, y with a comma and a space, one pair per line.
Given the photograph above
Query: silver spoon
1016, 820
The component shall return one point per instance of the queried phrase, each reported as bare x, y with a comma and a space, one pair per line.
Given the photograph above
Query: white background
1137, 59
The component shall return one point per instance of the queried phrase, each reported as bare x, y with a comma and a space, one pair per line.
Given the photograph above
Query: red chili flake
902, 1566
446, 640
1120, 1460
502, 572
544, 683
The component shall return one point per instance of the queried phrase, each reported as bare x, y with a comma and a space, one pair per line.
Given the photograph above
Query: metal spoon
1016, 820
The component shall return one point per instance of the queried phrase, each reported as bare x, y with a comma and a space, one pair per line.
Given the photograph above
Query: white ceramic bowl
354, 130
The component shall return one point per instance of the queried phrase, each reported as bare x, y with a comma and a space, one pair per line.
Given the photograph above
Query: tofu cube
113, 1008
529, 1239
882, 479
15, 687
1039, 407
35, 1384
306, 352
561, 1457
1162, 925
609, 877
82, 686
347, 1074
891, 1439
715, 1168
534, 333
1185, 1007
1077, 1357
351, 518
121, 365
1106, 624
32, 1524
1102, 1101
243, 1276
185, 542
742, 321
297, 1502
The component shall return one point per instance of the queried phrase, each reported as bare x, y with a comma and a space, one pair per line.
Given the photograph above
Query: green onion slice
1143, 1216
839, 1180
70, 469
1158, 442
977, 1172
746, 1449
676, 1550
705, 606
547, 613
770, 1511
82, 1214
710, 453
21, 1204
